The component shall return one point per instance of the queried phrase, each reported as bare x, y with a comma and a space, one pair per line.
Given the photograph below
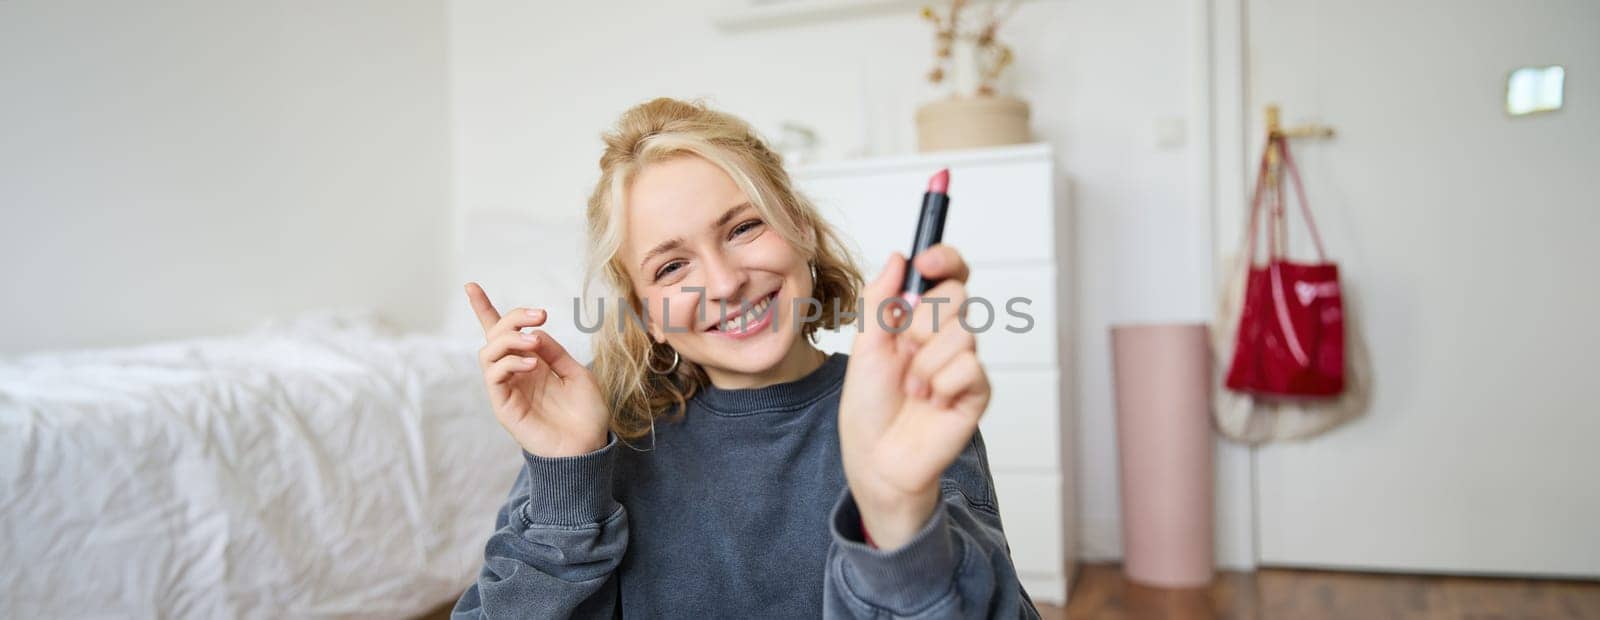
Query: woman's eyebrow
676, 242
664, 246
728, 215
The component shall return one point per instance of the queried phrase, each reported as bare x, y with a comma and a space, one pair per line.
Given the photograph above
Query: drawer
999, 212
1028, 291
1022, 428
1032, 512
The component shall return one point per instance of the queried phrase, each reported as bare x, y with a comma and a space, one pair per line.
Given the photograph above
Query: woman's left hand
912, 397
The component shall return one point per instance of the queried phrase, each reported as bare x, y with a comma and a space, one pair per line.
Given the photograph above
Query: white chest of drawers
1006, 219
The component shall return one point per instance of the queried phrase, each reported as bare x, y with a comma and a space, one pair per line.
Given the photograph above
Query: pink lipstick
930, 230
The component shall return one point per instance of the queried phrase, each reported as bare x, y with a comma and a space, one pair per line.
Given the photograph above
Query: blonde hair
658, 130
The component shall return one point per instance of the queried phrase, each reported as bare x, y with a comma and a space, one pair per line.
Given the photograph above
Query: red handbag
1291, 327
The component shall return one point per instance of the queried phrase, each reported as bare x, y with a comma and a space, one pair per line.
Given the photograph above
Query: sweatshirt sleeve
957, 565
557, 543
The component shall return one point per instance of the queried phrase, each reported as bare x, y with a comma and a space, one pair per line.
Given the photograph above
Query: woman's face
696, 246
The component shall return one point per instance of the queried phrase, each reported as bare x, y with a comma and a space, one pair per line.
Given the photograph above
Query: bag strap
1256, 201
1300, 190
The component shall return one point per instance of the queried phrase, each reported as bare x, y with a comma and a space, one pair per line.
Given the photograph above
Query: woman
770, 479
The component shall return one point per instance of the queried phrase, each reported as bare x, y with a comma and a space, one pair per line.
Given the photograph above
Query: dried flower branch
993, 57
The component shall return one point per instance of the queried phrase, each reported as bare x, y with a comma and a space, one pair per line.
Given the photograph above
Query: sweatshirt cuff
903, 580
570, 490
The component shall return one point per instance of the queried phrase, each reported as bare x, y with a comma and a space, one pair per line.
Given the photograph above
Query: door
1469, 243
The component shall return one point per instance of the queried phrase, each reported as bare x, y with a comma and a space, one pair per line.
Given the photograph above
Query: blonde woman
712, 462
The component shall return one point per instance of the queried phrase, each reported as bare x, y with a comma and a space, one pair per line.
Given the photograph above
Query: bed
326, 466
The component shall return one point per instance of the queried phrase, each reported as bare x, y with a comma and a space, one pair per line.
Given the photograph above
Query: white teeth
749, 317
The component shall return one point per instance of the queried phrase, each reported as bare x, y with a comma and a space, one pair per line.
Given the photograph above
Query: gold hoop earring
669, 370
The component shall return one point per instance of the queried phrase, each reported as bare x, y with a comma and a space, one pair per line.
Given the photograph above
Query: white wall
1463, 237
181, 168
532, 88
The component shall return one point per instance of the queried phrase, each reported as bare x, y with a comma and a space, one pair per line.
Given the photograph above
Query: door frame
1221, 129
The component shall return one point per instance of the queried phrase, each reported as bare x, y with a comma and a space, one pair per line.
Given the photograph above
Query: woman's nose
724, 279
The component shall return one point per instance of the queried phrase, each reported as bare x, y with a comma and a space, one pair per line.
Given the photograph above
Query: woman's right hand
548, 401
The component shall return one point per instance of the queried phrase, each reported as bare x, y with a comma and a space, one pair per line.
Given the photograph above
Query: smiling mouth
755, 314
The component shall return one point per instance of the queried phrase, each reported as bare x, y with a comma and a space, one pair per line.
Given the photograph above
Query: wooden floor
1102, 593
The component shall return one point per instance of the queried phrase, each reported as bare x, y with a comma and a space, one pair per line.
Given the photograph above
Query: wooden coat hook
1274, 128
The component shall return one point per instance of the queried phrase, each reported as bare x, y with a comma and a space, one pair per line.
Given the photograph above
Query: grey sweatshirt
741, 510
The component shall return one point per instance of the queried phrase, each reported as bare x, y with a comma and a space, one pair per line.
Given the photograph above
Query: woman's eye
746, 227
667, 269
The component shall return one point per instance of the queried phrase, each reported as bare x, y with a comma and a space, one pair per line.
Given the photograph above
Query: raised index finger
487, 315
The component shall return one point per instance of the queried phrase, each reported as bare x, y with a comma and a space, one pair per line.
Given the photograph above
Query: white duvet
325, 467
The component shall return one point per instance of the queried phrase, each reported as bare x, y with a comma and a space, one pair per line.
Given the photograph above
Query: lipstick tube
930, 231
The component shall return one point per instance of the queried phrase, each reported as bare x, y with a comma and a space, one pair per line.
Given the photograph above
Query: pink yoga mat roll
1163, 383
